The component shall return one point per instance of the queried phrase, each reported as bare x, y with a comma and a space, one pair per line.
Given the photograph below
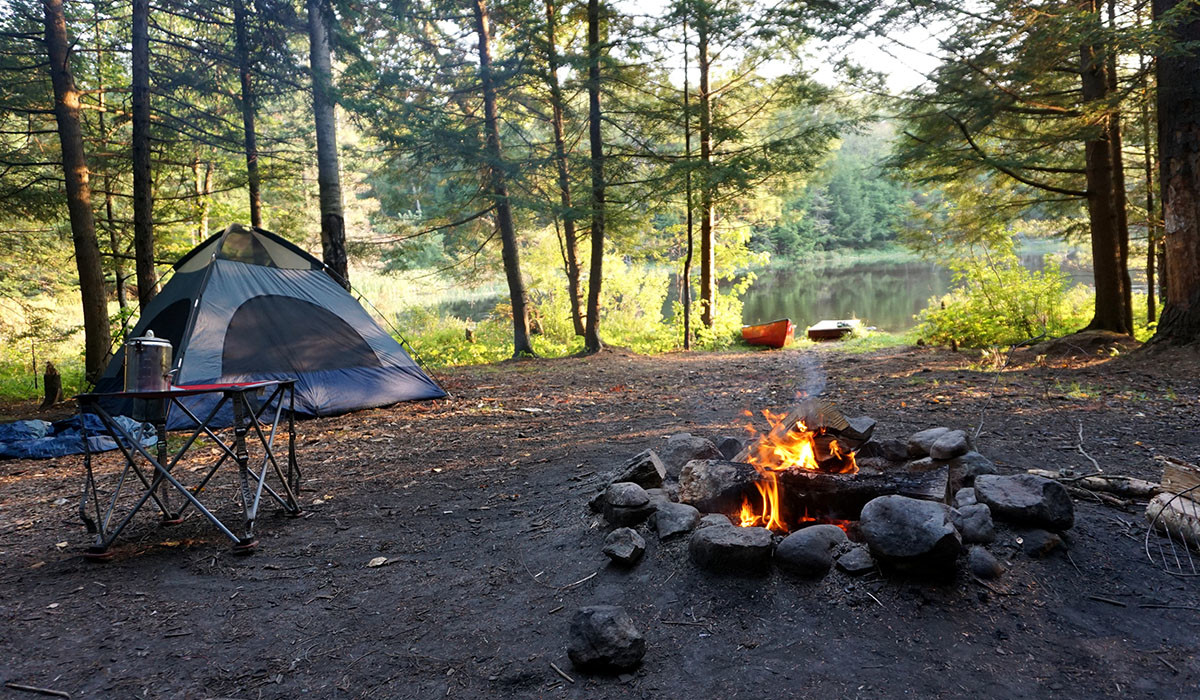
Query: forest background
603, 168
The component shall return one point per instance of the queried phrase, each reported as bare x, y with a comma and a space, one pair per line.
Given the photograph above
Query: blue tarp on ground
37, 439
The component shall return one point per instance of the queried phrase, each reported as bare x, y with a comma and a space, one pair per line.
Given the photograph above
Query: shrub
999, 302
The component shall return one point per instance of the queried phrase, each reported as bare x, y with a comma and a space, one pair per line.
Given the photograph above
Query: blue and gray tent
247, 305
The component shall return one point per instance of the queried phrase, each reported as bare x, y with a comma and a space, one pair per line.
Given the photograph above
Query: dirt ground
478, 504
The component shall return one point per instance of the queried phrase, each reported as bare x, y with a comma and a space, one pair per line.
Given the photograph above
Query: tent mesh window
269, 332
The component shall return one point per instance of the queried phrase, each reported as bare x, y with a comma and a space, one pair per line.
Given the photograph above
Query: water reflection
883, 294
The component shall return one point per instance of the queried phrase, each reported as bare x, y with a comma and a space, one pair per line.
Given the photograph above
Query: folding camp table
250, 402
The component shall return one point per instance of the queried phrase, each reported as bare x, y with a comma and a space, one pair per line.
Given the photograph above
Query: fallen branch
1127, 486
36, 689
562, 673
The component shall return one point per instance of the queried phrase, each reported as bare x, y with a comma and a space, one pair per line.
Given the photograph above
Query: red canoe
775, 334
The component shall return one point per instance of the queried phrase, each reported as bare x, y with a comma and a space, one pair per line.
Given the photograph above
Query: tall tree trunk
202, 180
118, 259
1179, 158
1120, 203
250, 139
333, 224
143, 197
1151, 219
564, 182
1103, 215
708, 283
499, 188
79, 193
686, 290
591, 338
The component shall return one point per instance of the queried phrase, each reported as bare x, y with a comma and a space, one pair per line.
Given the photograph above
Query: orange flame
783, 447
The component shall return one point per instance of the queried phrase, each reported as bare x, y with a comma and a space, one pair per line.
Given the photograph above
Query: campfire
814, 437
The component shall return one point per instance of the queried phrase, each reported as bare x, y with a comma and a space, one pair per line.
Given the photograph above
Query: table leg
242, 456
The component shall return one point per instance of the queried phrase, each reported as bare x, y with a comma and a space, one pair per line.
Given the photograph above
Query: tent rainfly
247, 305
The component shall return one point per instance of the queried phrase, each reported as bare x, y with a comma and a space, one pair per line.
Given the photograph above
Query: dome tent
247, 305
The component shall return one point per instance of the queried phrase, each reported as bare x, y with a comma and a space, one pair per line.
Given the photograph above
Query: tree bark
143, 196
333, 224
1102, 202
79, 193
1151, 219
591, 338
1120, 199
686, 289
564, 182
202, 180
499, 188
707, 212
1179, 158
250, 139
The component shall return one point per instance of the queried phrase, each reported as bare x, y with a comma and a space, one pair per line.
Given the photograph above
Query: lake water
883, 294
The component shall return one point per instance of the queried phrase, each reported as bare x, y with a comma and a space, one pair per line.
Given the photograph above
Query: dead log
719, 486
52, 382
1126, 486
1177, 517
1179, 476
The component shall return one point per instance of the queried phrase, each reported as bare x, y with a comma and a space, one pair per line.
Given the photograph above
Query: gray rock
624, 546
675, 519
644, 469
1027, 499
715, 485
596, 503
732, 550
964, 469
974, 524
923, 464
919, 443
715, 520
658, 496
913, 534
949, 445
891, 450
626, 503
964, 497
626, 495
1040, 543
683, 448
604, 638
856, 561
809, 552
729, 446
859, 429
981, 563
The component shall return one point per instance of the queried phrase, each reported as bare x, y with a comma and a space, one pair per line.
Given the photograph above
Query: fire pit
806, 469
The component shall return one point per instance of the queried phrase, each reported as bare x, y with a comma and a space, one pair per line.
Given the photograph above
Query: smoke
812, 381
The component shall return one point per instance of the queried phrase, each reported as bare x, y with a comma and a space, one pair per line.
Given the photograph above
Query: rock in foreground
1027, 499
912, 534
675, 519
624, 546
732, 550
809, 552
626, 503
645, 469
603, 638
683, 448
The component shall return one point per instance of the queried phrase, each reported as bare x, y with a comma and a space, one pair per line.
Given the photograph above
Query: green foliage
999, 302
849, 203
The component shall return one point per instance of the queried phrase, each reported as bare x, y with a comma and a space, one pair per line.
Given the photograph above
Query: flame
785, 446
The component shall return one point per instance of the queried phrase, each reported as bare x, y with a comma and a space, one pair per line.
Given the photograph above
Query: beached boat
775, 334
832, 329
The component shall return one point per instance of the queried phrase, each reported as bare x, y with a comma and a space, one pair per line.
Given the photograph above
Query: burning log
719, 486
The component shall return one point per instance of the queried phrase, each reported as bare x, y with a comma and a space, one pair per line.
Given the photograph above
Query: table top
188, 390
